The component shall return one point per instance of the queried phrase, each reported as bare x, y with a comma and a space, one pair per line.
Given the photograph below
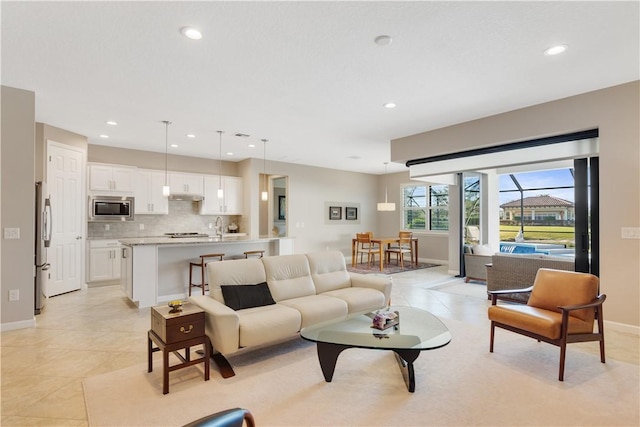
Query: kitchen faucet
219, 226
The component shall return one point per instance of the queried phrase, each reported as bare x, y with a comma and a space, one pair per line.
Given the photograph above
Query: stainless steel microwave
111, 208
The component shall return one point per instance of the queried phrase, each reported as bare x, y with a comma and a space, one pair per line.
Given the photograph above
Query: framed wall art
282, 206
351, 213
335, 212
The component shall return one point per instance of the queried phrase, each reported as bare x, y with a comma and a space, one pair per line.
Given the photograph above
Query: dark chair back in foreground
235, 417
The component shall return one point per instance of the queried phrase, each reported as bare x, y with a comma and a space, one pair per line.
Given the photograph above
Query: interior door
65, 176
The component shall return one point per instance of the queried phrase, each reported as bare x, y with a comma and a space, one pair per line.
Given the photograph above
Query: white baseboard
621, 327
23, 324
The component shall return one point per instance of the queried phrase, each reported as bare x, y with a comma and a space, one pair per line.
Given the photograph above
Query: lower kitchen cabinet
105, 257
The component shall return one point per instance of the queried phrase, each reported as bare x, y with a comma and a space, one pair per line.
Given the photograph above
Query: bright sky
548, 178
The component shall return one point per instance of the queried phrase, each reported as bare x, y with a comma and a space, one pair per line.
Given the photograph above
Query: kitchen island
156, 269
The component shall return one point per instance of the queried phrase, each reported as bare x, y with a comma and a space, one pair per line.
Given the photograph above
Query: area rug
458, 385
392, 268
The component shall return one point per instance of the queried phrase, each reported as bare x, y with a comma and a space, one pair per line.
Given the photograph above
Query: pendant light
386, 206
220, 190
265, 194
166, 192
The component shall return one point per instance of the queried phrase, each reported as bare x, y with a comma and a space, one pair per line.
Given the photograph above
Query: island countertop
162, 240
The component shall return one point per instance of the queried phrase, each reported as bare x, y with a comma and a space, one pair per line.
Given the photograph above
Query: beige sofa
514, 271
306, 289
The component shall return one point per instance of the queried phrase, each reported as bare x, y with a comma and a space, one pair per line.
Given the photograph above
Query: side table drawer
193, 327
177, 327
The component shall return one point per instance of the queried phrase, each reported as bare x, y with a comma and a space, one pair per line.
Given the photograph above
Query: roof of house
538, 201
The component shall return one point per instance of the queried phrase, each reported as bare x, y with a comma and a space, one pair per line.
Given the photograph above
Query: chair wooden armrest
503, 295
597, 302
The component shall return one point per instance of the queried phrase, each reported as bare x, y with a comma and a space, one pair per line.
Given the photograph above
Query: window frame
427, 209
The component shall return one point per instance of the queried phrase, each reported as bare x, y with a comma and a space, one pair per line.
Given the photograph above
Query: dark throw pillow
246, 296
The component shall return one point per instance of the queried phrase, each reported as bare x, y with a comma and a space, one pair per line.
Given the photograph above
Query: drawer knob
185, 331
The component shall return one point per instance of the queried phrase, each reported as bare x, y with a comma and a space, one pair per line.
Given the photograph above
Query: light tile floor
97, 330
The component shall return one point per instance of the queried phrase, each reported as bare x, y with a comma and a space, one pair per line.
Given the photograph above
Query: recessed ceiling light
190, 135
252, 145
229, 153
111, 123
104, 136
555, 50
191, 33
383, 40
389, 105
174, 145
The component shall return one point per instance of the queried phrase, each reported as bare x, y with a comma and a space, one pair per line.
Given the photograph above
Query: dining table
384, 242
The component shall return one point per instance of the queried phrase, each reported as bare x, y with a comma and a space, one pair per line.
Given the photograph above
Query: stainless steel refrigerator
42, 242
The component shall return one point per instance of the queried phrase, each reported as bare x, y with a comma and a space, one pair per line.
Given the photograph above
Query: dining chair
365, 246
404, 246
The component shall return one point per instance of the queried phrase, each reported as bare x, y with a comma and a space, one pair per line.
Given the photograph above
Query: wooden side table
172, 332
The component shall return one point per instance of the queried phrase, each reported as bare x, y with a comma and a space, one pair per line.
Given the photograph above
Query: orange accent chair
562, 309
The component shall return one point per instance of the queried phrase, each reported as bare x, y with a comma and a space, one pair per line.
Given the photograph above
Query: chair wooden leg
601, 332
563, 354
493, 332
190, 277
202, 271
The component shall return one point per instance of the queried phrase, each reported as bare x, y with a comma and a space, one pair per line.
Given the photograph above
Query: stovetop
183, 235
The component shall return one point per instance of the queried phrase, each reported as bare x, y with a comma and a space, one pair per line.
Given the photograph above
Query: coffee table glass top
417, 329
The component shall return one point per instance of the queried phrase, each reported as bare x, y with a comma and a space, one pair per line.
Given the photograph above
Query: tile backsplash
183, 218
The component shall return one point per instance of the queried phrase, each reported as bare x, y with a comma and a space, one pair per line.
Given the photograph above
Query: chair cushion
482, 250
553, 288
539, 321
247, 296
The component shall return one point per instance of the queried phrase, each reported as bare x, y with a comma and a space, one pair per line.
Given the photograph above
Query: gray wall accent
17, 202
615, 111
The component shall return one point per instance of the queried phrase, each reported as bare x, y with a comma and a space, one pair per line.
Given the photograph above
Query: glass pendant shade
264, 196
166, 191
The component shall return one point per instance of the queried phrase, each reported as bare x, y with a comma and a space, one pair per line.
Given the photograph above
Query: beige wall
615, 112
17, 205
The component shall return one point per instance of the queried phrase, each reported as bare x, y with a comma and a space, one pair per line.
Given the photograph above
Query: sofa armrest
381, 283
222, 324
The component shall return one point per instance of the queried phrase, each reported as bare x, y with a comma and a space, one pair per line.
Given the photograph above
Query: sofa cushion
233, 272
261, 325
247, 296
482, 250
359, 300
328, 271
317, 308
288, 276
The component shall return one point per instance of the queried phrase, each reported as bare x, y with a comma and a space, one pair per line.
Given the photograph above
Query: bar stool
202, 264
260, 253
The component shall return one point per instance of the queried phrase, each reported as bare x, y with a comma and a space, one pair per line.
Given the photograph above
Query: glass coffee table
417, 330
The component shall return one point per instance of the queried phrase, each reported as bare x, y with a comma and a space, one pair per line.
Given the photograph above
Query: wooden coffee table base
328, 356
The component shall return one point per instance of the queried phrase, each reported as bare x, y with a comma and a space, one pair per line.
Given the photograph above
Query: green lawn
542, 233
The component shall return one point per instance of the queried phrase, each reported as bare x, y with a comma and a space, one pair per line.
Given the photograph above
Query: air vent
242, 135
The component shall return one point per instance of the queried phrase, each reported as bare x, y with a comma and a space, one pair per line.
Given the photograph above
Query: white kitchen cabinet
105, 257
186, 183
232, 201
111, 178
148, 193
126, 271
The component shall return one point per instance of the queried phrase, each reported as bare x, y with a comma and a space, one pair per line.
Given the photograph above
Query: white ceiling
307, 76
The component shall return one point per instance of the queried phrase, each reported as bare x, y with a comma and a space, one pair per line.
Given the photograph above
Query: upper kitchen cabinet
111, 178
186, 183
231, 202
148, 193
